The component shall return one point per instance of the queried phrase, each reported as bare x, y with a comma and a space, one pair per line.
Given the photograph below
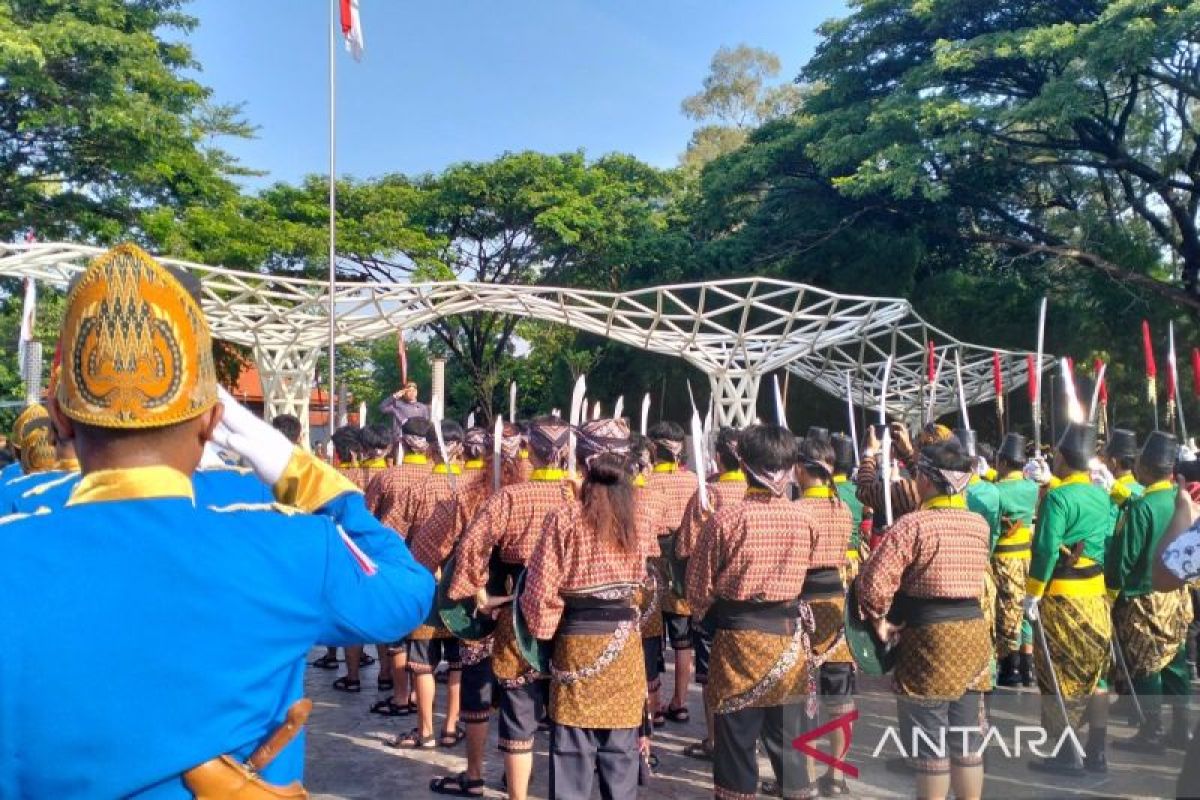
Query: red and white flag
352, 28
28, 318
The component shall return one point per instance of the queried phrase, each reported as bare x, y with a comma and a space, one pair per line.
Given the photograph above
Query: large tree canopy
1060, 129
99, 121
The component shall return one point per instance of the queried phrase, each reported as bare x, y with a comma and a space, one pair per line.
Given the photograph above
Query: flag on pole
1151, 367
403, 360
352, 28
1196, 370
998, 383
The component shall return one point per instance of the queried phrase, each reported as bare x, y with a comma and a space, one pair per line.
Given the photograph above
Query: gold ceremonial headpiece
33, 419
136, 349
38, 453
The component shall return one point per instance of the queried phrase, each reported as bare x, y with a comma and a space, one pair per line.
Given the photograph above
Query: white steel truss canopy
735, 331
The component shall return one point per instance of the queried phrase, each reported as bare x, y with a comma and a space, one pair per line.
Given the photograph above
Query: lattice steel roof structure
735, 330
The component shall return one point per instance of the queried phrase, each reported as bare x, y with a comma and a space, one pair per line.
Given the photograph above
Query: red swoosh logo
803, 743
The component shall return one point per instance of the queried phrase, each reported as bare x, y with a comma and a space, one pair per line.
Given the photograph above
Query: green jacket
1074, 511
846, 491
1018, 499
1128, 566
983, 497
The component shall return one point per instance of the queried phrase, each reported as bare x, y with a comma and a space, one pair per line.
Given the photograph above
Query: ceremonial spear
930, 379
780, 413
962, 394
512, 402
886, 444
645, 412
998, 388
1174, 406
1151, 370
577, 409
1099, 410
497, 436
850, 415
1035, 380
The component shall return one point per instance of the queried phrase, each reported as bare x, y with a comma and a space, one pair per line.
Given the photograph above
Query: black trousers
735, 761
519, 716
477, 681
577, 755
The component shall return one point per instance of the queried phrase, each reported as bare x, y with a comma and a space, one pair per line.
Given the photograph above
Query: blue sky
458, 80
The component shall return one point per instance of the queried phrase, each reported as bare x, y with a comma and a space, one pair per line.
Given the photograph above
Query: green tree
1061, 131
736, 98
99, 120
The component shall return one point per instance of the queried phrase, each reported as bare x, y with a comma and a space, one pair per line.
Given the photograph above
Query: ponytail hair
607, 497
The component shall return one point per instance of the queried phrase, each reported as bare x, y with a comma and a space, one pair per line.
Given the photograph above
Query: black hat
1078, 444
1121, 444
967, 439
1012, 449
1159, 452
843, 452
817, 434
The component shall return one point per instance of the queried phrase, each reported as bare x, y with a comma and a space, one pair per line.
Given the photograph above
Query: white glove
265, 449
1037, 470
1100, 475
1030, 607
981, 466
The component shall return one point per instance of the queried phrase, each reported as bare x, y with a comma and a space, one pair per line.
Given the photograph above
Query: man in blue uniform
132, 564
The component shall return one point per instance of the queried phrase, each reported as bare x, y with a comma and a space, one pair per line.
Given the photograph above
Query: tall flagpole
333, 24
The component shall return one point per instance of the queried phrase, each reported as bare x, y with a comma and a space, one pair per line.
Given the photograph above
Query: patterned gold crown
25, 423
136, 348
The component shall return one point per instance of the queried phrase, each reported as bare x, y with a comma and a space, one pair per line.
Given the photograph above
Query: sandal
830, 786
702, 750
458, 785
366, 660
344, 684
413, 740
390, 708
385, 684
451, 738
659, 719
678, 714
770, 789
327, 661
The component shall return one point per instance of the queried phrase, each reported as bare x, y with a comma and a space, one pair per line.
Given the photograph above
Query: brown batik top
677, 486
417, 501
571, 560
726, 490
940, 550
870, 488
756, 550
434, 540
512, 521
362, 473
834, 524
649, 508
384, 489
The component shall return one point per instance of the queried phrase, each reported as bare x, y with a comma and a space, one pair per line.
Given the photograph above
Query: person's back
142, 576
153, 588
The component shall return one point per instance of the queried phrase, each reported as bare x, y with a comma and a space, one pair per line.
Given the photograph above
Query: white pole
333, 22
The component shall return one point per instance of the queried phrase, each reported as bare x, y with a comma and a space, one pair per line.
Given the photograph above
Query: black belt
586, 616
822, 583
744, 615
1063, 572
1013, 548
929, 610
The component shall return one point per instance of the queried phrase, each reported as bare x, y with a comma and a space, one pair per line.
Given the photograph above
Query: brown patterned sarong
424, 633
1078, 630
1151, 628
648, 599
507, 663
1010, 576
942, 660
743, 660
987, 602
614, 698
829, 619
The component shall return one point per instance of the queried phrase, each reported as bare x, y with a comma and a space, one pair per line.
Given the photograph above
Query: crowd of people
157, 524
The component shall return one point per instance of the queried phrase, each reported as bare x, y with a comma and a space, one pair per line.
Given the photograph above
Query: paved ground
347, 757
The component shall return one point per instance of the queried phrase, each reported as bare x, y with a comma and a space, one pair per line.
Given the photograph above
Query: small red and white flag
28, 319
352, 28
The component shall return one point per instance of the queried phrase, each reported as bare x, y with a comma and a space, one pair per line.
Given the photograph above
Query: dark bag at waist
744, 615
586, 616
930, 610
502, 576
1065, 568
821, 583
